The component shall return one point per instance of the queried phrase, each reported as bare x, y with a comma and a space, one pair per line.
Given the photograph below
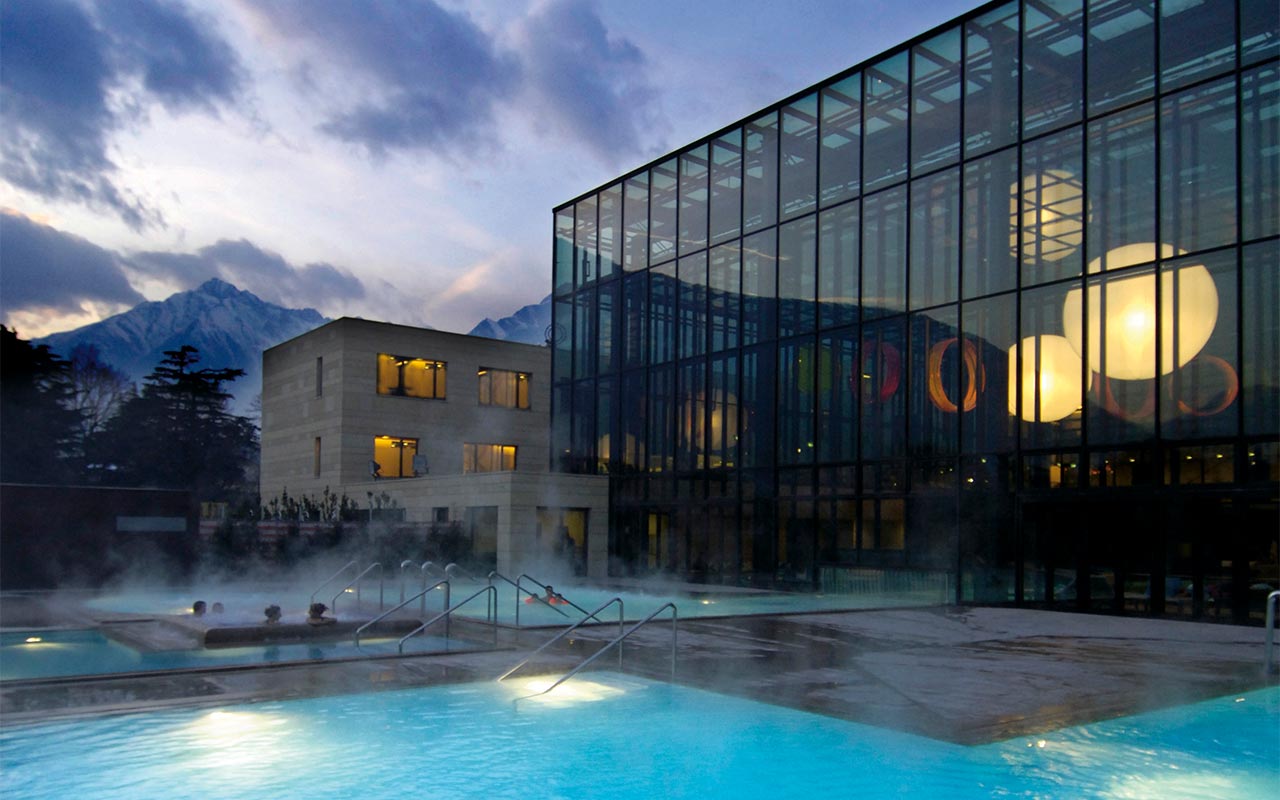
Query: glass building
1001, 304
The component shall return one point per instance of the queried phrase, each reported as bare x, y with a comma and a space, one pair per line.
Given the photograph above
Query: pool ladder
615, 642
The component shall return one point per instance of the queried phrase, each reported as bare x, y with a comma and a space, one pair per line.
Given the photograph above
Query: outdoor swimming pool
622, 737
51, 654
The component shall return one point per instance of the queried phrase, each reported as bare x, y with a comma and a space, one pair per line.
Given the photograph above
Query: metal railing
403, 564
541, 599
402, 604
333, 604
571, 629
618, 641
490, 590
1273, 604
331, 579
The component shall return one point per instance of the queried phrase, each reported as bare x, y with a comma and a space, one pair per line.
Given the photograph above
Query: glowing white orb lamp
1051, 366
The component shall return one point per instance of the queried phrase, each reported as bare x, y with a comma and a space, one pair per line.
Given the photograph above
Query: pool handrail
452, 569
569, 630
541, 599
1269, 661
490, 590
675, 613
403, 603
331, 578
406, 563
333, 604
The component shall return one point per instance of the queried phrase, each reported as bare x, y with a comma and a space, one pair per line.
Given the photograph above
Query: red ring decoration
891, 359
1233, 389
1113, 407
975, 376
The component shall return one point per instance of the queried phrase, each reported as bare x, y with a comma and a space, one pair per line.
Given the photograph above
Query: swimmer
315, 615
272, 613
217, 608
197, 608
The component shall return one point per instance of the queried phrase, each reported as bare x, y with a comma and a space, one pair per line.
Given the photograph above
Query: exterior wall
349, 413
874, 325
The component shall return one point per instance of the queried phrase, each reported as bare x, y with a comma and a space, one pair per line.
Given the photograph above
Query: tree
178, 434
38, 427
98, 389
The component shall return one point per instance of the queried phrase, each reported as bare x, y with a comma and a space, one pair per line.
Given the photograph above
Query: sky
395, 161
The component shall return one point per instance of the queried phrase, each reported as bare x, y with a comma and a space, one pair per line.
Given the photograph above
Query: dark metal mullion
1020, 547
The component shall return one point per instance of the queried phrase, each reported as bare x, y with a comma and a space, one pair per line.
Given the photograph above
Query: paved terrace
968, 675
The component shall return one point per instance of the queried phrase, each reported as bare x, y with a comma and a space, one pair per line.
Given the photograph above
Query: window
404, 376
315, 463
319, 376
488, 457
394, 457
503, 387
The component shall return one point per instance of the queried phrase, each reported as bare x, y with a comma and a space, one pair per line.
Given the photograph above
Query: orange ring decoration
892, 361
1113, 407
1233, 389
975, 376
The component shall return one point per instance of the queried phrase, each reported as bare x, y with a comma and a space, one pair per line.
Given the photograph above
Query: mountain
528, 325
229, 327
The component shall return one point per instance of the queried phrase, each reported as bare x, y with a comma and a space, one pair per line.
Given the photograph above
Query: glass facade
997, 307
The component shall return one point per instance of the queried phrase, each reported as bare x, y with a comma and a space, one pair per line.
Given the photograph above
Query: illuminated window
502, 387
404, 376
394, 457
488, 457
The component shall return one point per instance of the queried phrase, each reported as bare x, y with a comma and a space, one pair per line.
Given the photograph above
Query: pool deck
967, 675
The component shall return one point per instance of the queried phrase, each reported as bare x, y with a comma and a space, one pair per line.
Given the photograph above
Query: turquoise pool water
53, 654
621, 737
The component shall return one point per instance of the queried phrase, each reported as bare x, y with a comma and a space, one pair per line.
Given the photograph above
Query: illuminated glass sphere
1050, 207
1122, 315
1051, 365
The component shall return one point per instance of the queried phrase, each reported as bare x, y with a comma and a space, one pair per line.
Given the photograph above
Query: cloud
43, 269
434, 76
71, 77
249, 267
589, 85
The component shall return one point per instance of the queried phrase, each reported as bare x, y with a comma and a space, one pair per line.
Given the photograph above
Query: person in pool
197, 608
551, 598
272, 613
217, 608
315, 615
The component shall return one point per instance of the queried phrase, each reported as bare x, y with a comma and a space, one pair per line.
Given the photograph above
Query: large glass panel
1259, 30
883, 391
726, 186
938, 359
798, 175
662, 313
1051, 209
722, 424
1119, 325
989, 265
1199, 347
839, 169
884, 128
757, 406
691, 419
693, 305
838, 380
991, 80
584, 334
633, 406
606, 345
1197, 39
797, 276
610, 232
562, 339
990, 329
606, 426
561, 420
1122, 52
635, 291
1260, 347
693, 199
935, 239
796, 376
583, 431
884, 252
935, 101
1260, 141
635, 210
1122, 187
759, 287
661, 419
1047, 375
838, 266
1198, 167
1052, 64
760, 174
663, 199
726, 296
584, 242
563, 277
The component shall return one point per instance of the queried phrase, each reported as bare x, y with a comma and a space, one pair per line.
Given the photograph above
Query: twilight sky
394, 161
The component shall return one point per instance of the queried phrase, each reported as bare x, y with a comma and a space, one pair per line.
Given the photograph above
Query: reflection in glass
989, 265
797, 277
1197, 39
937, 361
884, 252
610, 233
1198, 351
635, 209
1046, 374
1122, 181
760, 174
990, 328
584, 242
883, 394
759, 287
991, 80
1122, 52
662, 313
1053, 68
1197, 167
635, 292
1049, 209
884, 110
693, 200
693, 305
726, 186
725, 280
935, 101
796, 376
935, 239
838, 266
799, 166
563, 270
838, 380
1260, 152
1260, 345
841, 137
663, 199
1259, 31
